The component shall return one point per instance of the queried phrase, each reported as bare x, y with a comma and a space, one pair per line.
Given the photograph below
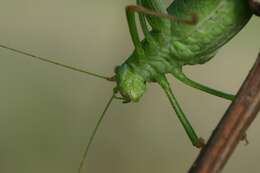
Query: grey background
47, 112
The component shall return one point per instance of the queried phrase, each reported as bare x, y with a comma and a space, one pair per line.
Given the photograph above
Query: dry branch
255, 6
232, 127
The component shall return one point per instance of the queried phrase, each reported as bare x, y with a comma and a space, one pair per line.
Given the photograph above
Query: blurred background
47, 113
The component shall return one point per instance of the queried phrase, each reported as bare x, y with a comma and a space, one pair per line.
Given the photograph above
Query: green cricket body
167, 48
177, 44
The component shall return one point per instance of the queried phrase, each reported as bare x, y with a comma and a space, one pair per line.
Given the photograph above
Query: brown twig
255, 6
232, 127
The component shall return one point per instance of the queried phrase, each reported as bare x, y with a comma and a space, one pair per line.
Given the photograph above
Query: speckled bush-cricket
188, 32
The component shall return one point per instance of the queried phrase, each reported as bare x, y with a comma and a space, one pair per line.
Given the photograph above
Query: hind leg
183, 78
196, 141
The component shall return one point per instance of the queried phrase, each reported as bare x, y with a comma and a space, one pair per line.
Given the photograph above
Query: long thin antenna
54, 62
94, 133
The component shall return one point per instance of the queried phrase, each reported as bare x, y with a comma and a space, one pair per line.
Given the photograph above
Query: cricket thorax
132, 75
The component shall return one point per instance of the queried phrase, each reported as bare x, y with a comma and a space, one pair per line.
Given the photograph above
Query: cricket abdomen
218, 22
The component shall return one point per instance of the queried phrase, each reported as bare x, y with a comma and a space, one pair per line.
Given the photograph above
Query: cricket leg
131, 20
196, 141
144, 26
157, 22
130, 13
183, 78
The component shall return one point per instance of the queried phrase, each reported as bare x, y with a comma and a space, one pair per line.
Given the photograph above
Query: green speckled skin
177, 44
219, 21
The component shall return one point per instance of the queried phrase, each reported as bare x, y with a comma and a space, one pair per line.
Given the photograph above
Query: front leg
130, 13
131, 20
157, 23
196, 141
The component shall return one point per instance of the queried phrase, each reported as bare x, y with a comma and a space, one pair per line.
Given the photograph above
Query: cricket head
130, 84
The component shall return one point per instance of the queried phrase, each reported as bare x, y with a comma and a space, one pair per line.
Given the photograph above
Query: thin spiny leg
183, 78
157, 23
144, 26
131, 9
197, 142
133, 31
